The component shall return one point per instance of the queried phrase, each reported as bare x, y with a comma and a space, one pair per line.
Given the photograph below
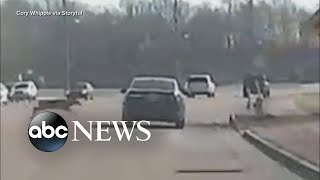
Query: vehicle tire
34, 98
123, 117
128, 119
180, 124
265, 95
86, 97
245, 93
91, 98
248, 106
210, 95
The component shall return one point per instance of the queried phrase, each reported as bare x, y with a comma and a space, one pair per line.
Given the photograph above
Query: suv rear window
21, 86
154, 84
197, 80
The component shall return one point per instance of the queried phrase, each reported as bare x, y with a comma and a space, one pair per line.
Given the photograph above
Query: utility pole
175, 15
176, 31
48, 5
67, 46
230, 29
251, 26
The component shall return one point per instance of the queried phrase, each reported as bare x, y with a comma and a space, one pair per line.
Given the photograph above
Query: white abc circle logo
48, 131
43, 131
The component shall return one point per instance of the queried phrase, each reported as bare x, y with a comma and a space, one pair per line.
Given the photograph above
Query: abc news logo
48, 131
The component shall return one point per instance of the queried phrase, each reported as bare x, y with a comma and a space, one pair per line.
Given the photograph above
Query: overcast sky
310, 5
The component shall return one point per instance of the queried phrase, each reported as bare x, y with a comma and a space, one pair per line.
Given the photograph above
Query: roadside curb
297, 165
293, 163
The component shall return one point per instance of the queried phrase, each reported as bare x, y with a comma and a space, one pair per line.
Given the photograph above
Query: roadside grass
308, 102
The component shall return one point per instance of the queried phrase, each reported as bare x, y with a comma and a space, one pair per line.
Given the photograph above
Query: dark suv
154, 99
253, 83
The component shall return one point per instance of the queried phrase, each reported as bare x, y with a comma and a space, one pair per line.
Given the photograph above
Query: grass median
308, 102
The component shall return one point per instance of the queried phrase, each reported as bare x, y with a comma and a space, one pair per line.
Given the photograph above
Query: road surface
204, 145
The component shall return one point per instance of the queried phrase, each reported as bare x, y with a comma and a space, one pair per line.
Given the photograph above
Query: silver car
154, 99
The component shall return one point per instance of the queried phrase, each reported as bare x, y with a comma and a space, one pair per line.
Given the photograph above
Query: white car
4, 94
24, 90
200, 84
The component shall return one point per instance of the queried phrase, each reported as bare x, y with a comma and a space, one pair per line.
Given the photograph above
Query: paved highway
206, 144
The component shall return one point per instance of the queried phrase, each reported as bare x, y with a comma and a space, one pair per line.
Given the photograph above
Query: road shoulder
292, 141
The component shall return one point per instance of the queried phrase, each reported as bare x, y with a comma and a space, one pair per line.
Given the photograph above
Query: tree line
156, 37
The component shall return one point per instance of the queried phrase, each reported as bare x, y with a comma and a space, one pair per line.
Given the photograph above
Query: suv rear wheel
180, 124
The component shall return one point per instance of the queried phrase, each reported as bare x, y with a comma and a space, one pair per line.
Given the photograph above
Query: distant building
315, 19
310, 30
